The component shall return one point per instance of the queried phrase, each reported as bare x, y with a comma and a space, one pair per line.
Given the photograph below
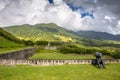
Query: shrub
41, 42
28, 42
105, 52
56, 43
76, 50
84, 50
116, 54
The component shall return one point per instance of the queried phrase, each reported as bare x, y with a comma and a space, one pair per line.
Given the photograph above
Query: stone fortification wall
21, 54
52, 62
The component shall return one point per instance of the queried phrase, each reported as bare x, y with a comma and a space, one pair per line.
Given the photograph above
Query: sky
95, 15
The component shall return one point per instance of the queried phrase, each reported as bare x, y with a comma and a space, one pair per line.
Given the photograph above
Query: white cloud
58, 1
115, 30
17, 12
109, 18
118, 27
39, 11
118, 23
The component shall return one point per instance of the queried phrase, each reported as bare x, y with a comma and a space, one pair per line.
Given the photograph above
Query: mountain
8, 40
43, 32
98, 35
51, 32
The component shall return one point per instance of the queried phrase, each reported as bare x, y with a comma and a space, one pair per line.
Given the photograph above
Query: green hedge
41, 42
116, 54
28, 42
46, 43
76, 50
85, 50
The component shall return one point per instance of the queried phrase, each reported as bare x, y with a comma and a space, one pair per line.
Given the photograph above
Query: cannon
98, 61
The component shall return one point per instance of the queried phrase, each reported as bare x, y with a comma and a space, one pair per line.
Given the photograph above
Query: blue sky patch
84, 14
51, 1
74, 8
83, 11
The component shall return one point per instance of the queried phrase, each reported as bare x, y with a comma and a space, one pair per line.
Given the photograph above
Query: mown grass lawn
11, 49
65, 72
54, 54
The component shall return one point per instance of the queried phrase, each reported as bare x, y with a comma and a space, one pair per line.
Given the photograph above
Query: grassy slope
66, 72
4, 43
50, 32
51, 54
8, 42
8, 36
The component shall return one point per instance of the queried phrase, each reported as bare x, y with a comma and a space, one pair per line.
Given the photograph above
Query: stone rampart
20, 54
52, 62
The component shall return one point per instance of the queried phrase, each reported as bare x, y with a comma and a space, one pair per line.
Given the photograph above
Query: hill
98, 35
51, 32
43, 32
8, 40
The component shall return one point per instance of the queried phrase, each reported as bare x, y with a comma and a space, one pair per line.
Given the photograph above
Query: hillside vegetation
43, 32
51, 32
98, 35
9, 42
8, 36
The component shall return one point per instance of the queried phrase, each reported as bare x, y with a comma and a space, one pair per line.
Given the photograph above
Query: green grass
8, 43
65, 72
11, 49
52, 54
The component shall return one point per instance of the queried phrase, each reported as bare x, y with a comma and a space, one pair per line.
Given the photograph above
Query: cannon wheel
99, 63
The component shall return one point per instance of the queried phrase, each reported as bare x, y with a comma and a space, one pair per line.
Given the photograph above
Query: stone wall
21, 54
52, 62
20, 57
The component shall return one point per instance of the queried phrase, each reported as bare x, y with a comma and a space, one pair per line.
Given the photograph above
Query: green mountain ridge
43, 32
53, 33
98, 35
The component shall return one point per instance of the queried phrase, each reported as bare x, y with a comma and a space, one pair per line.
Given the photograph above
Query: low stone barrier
52, 62
20, 54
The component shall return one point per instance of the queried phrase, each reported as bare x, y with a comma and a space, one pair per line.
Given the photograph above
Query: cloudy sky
96, 15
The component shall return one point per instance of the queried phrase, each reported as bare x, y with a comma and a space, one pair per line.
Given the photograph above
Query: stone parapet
52, 62
20, 54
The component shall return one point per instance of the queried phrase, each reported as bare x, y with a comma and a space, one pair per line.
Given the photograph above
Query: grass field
65, 72
10, 49
4, 43
52, 54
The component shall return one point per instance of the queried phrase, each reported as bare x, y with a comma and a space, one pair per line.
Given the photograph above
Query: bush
41, 42
46, 43
77, 50
56, 43
84, 50
105, 52
28, 43
38, 48
116, 54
